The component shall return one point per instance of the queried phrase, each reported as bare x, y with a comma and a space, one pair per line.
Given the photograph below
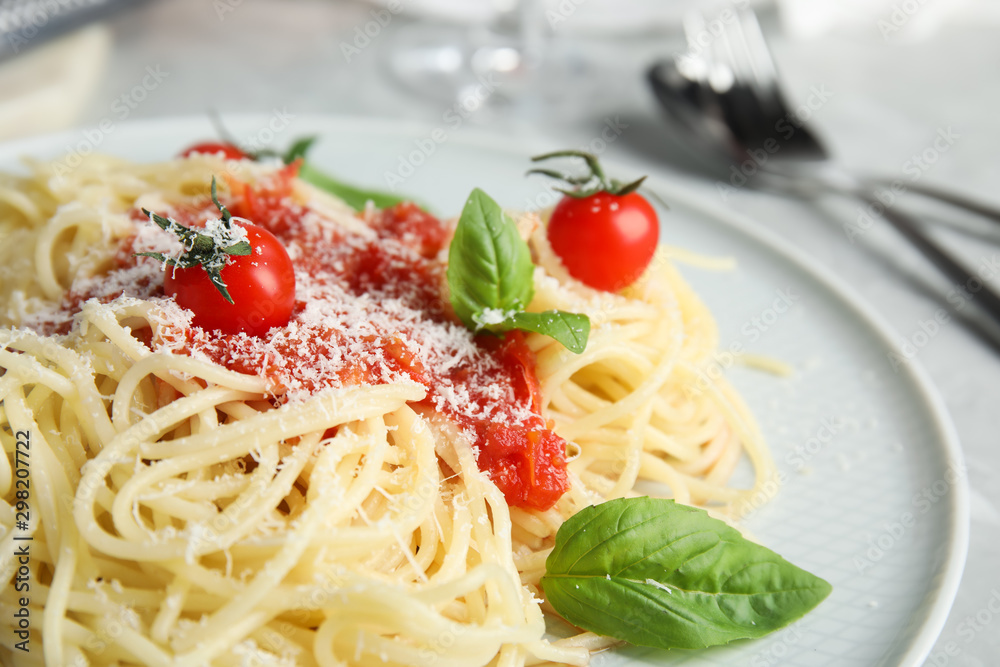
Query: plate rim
926, 634
944, 593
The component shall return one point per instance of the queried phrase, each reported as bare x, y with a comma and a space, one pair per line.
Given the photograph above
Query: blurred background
908, 89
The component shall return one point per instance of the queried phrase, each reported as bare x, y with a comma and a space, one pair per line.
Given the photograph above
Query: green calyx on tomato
604, 231
210, 251
594, 181
232, 275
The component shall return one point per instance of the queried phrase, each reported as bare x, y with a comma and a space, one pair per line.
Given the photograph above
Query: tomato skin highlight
262, 285
605, 241
229, 151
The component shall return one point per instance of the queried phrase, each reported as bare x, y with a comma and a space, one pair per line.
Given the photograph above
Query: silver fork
744, 51
734, 104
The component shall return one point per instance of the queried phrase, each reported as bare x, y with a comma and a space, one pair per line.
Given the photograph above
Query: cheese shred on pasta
180, 515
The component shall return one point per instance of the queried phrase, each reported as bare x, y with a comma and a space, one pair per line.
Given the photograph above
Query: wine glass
481, 68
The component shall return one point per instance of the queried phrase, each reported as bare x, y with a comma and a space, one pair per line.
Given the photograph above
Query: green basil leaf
570, 329
489, 264
655, 573
356, 198
298, 149
490, 278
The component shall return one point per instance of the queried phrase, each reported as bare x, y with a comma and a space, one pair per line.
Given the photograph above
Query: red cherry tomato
605, 241
228, 151
262, 285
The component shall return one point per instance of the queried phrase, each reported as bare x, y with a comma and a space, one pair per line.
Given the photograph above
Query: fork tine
694, 25
759, 56
733, 48
736, 96
755, 70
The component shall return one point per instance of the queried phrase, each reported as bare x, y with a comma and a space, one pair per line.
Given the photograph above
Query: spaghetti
318, 496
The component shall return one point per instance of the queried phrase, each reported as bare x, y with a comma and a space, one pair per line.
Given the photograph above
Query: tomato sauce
370, 309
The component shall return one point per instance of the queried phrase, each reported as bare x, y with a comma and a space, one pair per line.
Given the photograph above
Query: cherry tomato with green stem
605, 232
232, 275
261, 286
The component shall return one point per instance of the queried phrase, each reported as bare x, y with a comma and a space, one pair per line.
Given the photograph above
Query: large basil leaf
655, 573
570, 329
489, 265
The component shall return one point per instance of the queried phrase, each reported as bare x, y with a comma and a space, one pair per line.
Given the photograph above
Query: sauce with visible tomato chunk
370, 309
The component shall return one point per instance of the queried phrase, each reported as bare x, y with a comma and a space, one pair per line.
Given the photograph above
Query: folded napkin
44, 89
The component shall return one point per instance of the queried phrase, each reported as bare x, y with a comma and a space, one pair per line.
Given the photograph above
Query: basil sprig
655, 573
490, 278
355, 197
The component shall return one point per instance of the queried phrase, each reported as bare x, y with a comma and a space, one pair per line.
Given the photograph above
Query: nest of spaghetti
318, 495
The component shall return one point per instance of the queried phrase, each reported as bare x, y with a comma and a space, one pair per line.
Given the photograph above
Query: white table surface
888, 102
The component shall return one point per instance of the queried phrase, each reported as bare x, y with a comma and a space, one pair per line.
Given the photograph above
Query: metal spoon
727, 103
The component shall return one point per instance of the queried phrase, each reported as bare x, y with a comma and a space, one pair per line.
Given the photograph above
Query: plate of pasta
349, 400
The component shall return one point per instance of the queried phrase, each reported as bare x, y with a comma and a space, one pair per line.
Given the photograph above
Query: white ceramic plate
874, 498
